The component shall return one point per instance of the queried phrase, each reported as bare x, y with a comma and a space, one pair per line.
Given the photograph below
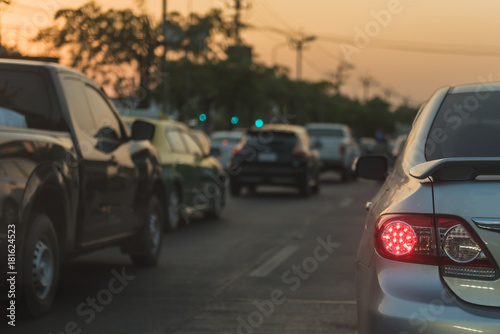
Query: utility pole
298, 44
237, 21
164, 59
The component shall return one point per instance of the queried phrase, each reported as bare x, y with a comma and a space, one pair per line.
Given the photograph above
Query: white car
336, 145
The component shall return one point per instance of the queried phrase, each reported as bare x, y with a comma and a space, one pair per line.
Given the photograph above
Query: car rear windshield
273, 139
25, 102
325, 133
467, 125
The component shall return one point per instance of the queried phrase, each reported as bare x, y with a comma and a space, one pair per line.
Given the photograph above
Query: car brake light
342, 150
398, 238
456, 249
297, 150
237, 148
407, 238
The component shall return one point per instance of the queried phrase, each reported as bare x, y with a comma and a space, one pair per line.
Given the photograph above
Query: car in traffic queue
275, 154
195, 180
428, 258
223, 143
72, 180
337, 147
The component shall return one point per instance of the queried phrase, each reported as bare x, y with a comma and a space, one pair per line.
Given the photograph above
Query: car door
121, 172
183, 163
198, 170
94, 208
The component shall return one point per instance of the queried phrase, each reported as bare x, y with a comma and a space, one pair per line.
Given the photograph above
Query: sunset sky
463, 36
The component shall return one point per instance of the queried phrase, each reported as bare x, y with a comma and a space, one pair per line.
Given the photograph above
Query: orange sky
449, 27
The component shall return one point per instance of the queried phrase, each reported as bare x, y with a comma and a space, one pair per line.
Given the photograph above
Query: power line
269, 9
471, 50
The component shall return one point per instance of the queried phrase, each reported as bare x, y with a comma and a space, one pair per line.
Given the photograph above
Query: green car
194, 180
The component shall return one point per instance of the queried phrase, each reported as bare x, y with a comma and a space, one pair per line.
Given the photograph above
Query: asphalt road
275, 263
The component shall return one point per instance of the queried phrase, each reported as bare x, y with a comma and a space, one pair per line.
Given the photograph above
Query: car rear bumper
272, 175
337, 165
405, 298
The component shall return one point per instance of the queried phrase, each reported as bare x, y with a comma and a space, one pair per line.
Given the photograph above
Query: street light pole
299, 47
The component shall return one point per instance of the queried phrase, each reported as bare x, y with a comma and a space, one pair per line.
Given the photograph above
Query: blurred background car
223, 143
204, 140
275, 154
194, 180
432, 235
336, 145
367, 145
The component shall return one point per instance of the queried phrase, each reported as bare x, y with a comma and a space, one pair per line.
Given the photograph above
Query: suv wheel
315, 188
147, 248
217, 205
305, 186
173, 219
40, 267
235, 188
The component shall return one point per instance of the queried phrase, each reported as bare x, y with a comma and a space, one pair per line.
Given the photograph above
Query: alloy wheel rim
154, 231
43, 269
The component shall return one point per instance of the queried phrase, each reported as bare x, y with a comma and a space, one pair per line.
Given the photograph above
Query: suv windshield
325, 133
467, 125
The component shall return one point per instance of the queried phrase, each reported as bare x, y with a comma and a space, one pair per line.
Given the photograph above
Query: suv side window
175, 140
107, 123
25, 102
78, 106
191, 144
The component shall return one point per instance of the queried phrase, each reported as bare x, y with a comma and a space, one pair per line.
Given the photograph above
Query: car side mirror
372, 167
143, 130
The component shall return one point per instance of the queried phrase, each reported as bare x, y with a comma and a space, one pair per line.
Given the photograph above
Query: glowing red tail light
342, 150
445, 241
237, 148
297, 150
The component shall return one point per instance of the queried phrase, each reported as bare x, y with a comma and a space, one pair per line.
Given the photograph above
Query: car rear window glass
273, 139
175, 140
466, 125
226, 141
325, 132
25, 101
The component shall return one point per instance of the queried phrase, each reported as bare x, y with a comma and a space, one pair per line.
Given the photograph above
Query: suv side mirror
143, 130
372, 167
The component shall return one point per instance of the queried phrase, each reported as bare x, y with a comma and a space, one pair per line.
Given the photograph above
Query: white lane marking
267, 267
345, 203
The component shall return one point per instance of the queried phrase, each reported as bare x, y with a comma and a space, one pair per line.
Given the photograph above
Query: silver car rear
428, 259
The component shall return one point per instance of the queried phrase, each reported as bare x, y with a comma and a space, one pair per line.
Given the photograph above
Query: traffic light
259, 123
203, 117
234, 120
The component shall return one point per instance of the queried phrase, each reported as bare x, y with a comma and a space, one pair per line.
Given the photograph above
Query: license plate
267, 157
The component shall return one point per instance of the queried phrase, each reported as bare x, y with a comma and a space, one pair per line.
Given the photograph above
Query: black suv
275, 154
72, 180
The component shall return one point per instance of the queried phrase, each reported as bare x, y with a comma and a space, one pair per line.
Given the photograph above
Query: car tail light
463, 254
342, 150
455, 248
297, 150
237, 148
413, 234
